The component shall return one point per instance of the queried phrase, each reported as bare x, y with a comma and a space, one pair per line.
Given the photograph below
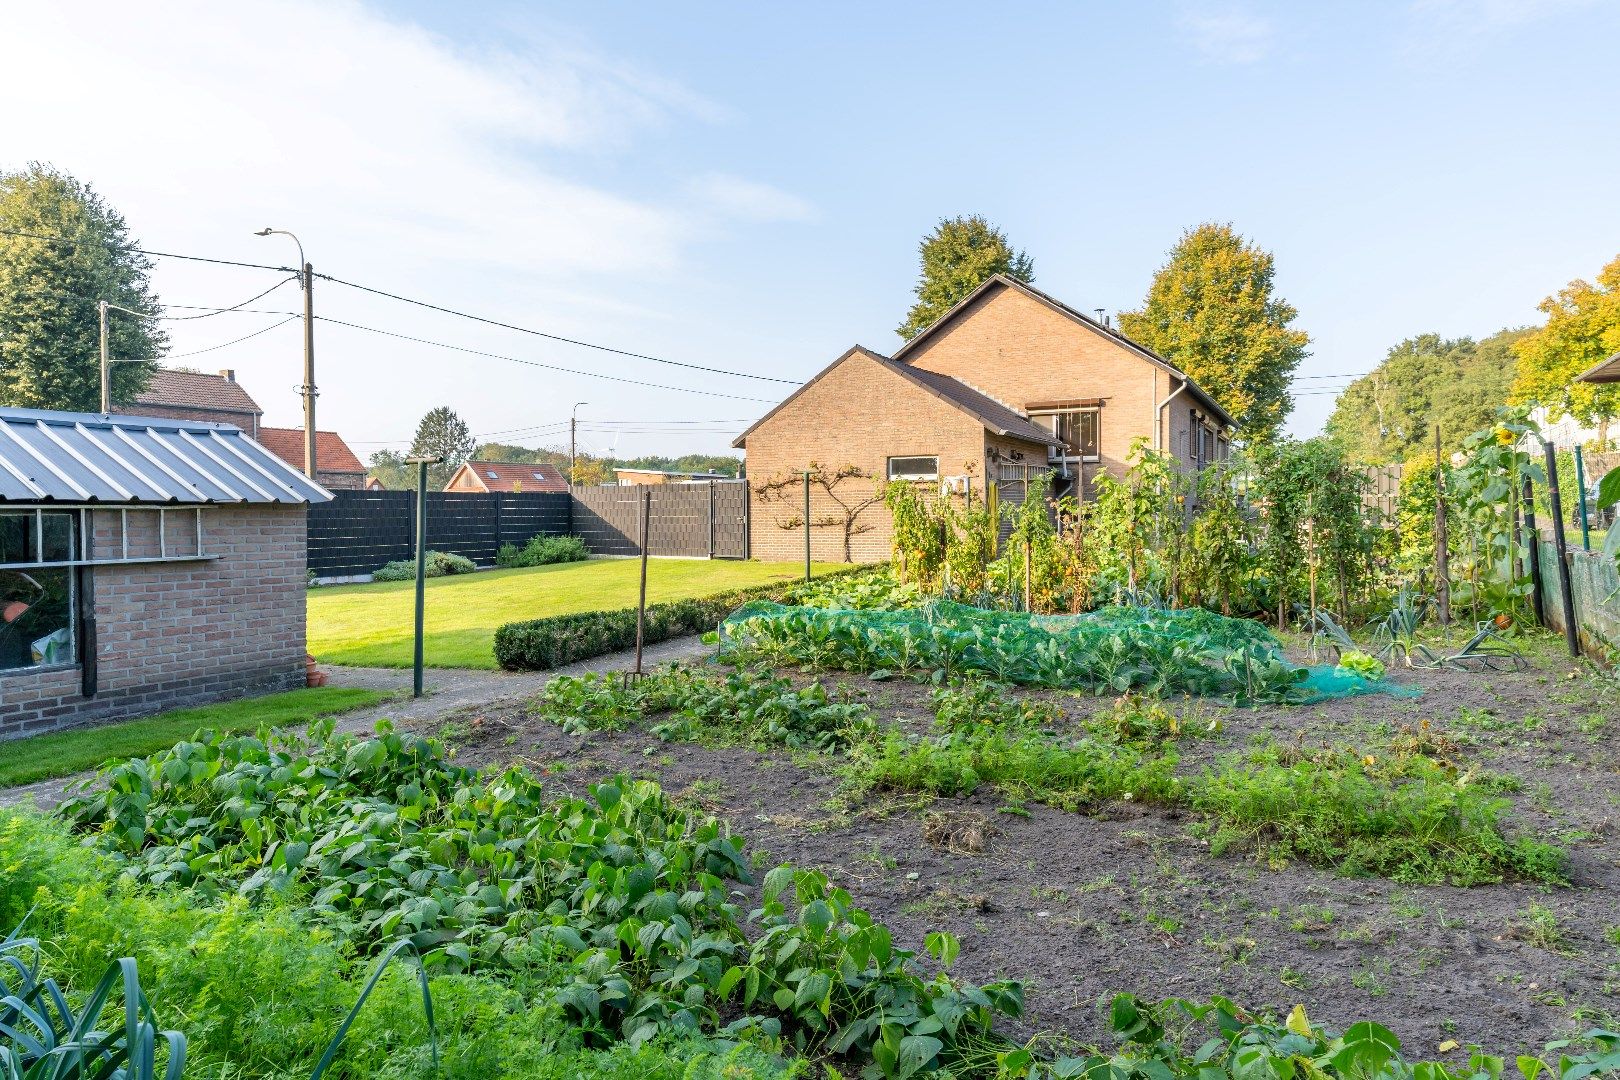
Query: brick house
635, 477
1007, 382
194, 395
145, 563
486, 476
336, 466
176, 394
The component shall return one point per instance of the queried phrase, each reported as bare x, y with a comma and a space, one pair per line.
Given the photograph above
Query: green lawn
63, 753
370, 625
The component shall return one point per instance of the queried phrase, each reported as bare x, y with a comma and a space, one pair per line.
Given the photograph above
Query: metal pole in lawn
807, 525
421, 564
1572, 635
1580, 484
641, 603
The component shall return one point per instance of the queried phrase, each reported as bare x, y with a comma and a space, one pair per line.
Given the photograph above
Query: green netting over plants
1109, 651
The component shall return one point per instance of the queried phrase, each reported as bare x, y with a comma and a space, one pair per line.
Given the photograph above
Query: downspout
1158, 413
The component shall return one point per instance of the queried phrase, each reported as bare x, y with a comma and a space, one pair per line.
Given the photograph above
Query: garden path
448, 689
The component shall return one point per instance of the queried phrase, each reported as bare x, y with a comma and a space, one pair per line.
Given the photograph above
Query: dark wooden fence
358, 531
708, 520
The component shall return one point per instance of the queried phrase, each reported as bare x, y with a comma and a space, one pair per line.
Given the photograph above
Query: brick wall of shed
169, 635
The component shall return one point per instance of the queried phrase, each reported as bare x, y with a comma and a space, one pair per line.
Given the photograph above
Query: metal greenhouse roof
66, 457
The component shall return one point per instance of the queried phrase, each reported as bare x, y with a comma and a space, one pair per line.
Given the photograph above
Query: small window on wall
36, 590
1079, 430
914, 468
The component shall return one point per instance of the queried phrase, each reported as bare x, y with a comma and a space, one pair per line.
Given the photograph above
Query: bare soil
1080, 907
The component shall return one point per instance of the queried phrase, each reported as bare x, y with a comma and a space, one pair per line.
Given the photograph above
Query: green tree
1390, 414
1583, 328
389, 469
1212, 312
443, 434
49, 330
957, 257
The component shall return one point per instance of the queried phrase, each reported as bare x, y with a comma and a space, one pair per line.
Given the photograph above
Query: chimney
228, 374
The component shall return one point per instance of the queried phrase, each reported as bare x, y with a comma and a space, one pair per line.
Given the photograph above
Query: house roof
1608, 371
996, 417
65, 457
1002, 280
675, 472
332, 454
513, 475
194, 390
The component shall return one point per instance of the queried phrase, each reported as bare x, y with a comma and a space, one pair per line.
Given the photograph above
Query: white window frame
1061, 453
892, 475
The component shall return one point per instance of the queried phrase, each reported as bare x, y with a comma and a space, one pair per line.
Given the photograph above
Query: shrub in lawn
1413, 821
543, 551
543, 644
435, 564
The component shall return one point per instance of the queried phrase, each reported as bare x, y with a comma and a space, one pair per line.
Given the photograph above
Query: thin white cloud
1226, 35
747, 200
1453, 29
465, 175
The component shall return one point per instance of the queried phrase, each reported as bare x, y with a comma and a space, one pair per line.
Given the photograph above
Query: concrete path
448, 689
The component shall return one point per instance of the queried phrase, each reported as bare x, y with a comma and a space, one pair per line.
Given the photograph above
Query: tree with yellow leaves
1583, 328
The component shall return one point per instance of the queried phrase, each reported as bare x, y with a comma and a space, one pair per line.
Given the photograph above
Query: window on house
1080, 431
36, 590
914, 468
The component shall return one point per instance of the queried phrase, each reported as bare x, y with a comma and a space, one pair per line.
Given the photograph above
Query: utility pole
307, 279
573, 432
106, 362
310, 463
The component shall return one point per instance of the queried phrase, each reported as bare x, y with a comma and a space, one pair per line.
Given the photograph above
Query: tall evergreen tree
957, 257
442, 434
1212, 312
50, 347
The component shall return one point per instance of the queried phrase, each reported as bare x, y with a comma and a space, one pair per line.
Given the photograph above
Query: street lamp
306, 277
573, 423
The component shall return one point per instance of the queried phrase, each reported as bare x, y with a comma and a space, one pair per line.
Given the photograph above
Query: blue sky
744, 185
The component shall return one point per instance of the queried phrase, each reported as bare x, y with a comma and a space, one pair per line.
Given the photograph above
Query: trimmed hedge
543, 644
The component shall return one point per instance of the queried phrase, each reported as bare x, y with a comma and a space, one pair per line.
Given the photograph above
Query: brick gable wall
1016, 349
178, 634
861, 414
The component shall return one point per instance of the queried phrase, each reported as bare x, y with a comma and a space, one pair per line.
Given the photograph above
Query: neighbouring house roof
194, 390
1002, 280
997, 417
65, 457
332, 454
1606, 372
513, 476
676, 472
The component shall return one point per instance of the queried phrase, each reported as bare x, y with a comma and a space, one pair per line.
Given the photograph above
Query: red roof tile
514, 476
194, 390
332, 454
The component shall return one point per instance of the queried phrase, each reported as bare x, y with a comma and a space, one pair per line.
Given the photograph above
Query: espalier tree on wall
50, 344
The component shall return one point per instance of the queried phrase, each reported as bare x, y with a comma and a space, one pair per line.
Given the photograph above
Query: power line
538, 364
233, 341
556, 337
239, 308
158, 254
